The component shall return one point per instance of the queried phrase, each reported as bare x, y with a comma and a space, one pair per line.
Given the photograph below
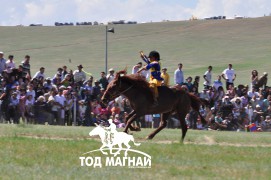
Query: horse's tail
195, 104
132, 139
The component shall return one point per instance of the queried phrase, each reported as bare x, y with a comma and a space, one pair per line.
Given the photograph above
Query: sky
47, 12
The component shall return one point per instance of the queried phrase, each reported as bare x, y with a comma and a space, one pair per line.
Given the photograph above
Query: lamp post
112, 31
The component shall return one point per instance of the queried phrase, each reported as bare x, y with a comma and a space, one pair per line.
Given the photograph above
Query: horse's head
96, 131
113, 88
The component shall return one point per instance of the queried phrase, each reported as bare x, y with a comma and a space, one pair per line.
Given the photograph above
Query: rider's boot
155, 102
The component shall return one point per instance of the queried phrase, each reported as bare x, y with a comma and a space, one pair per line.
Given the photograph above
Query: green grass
245, 43
52, 152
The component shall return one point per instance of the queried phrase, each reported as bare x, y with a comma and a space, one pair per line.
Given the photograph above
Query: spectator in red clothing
115, 109
96, 107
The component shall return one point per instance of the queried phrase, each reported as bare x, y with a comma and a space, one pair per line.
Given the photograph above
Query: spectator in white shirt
60, 99
179, 75
39, 74
31, 91
205, 95
208, 77
111, 75
217, 83
229, 76
10, 63
136, 67
3, 65
252, 93
79, 76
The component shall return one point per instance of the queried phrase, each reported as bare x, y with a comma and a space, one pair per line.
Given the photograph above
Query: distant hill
243, 42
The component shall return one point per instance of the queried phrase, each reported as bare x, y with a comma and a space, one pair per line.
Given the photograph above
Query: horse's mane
136, 80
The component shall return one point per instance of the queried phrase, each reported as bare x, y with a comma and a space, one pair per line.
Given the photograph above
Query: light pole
112, 31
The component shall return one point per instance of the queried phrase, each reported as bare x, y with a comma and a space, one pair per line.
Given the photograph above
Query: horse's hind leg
163, 124
181, 117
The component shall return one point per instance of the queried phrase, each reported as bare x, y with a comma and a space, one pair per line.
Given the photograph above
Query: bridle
126, 89
118, 94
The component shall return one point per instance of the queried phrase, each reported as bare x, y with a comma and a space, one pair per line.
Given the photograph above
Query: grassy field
243, 42
49, 152
52, 152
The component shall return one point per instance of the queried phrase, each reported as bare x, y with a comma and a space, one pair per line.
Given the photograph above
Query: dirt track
206, 141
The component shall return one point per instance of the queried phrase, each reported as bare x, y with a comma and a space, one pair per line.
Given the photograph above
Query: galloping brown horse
137, 90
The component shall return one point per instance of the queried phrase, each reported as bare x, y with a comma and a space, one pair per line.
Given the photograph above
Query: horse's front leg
127, 120
132, 116
101, 149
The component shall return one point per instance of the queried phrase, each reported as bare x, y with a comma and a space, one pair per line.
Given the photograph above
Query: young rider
154, 66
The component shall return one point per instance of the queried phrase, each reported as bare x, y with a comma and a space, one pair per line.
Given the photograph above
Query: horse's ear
118, 75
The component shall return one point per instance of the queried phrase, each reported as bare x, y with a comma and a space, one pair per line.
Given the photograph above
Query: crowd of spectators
229, 107
73, 98
69, 97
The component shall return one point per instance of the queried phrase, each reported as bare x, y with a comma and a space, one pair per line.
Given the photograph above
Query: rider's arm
139, 71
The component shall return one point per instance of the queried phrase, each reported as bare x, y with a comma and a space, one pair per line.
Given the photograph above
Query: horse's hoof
148, 138
136, 129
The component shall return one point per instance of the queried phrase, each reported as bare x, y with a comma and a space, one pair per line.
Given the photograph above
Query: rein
117, 95
126, 89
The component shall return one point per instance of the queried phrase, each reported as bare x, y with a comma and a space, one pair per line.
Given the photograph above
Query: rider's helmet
155, 54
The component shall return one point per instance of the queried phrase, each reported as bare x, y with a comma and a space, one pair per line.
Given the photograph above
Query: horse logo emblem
112, 140
110, 137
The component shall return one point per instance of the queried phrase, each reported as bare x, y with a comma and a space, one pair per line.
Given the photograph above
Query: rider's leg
154, 93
